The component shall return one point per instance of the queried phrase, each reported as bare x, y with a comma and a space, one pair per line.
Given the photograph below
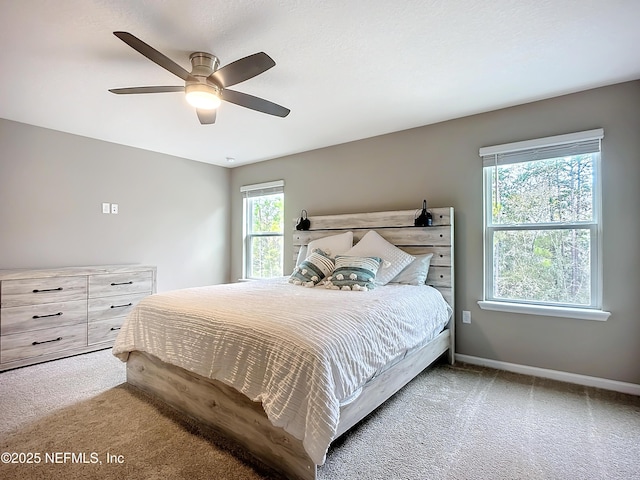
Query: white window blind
579, 143
262, 189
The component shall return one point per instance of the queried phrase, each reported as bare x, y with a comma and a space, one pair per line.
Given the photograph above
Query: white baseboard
614, 385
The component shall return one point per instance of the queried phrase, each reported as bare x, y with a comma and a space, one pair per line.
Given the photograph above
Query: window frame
520, 152
250, 192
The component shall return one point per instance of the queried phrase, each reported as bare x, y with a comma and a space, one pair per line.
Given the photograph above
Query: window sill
567, 312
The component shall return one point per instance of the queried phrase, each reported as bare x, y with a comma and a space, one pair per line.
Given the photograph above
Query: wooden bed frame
234, 415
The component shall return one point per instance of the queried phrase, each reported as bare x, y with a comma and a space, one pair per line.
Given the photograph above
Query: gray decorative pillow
354, 273
313, 269
416, 272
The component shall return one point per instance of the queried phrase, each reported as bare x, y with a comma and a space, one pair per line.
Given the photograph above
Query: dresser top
21, 273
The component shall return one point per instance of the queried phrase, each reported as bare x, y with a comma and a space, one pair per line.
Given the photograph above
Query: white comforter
299, 351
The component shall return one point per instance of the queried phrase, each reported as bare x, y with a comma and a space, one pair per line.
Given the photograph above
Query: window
263, 229
542, 225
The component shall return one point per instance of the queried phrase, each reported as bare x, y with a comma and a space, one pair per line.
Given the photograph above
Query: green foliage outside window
266, 230
542, 216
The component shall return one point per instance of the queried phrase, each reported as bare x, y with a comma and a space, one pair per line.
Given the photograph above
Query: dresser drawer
120, 284
39, 317
24, 345
106, 308
31, 291
104, 330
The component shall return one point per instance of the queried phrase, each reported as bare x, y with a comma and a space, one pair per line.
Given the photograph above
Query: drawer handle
45, 316
48, 341
115, 328
123, 283
122, 306
48, 290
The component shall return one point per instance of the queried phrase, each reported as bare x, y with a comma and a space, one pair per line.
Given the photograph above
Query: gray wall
174, 213
440, 163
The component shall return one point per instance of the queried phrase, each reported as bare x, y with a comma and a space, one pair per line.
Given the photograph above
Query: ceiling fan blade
206, 117
154, 55
254, 103
243, 69
128, 90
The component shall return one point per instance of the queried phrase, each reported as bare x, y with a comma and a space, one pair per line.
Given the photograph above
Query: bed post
452, 322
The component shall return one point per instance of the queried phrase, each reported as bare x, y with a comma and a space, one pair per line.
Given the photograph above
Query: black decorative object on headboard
424, 219
304, 223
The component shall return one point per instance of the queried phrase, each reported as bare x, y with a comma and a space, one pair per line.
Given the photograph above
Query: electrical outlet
114, 208
466, 316
106, 208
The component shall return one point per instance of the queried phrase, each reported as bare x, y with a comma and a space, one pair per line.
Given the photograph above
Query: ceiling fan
206, 85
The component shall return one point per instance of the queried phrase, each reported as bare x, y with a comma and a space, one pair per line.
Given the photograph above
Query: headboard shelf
407, 236
373, 220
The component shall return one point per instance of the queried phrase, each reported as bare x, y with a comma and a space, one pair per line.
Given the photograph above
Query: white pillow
417, 271
331, 246
393, 259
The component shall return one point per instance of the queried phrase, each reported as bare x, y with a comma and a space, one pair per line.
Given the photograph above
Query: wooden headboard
397, 228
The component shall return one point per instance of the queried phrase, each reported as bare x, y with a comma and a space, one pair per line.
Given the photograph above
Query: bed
310, 360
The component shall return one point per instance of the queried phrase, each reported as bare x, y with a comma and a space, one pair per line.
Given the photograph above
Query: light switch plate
114, 208
106, 208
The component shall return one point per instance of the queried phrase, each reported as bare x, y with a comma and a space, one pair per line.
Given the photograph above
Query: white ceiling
347, 69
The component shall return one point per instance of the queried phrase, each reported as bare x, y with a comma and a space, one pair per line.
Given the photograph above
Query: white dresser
53, 313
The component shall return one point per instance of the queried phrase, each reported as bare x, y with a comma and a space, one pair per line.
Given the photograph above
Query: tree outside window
541, 229
265, 238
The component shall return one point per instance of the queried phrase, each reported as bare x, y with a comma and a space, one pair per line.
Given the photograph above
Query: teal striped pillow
354, 273
313, 269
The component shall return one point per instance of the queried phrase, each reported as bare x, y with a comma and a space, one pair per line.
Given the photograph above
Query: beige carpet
458, 422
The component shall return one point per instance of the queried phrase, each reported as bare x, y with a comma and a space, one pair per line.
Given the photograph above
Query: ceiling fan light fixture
202, 96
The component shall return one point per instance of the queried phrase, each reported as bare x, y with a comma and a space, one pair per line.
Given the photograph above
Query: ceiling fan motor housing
203, 64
